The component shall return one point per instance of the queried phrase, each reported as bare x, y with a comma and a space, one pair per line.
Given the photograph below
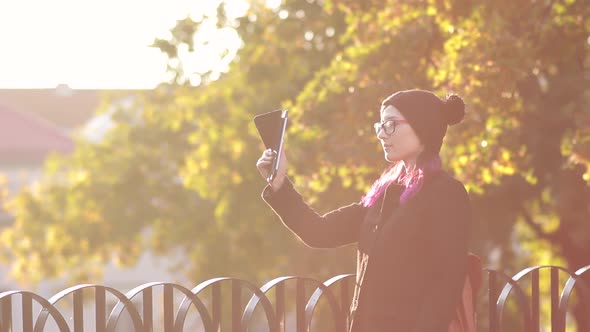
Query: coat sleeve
449, 234
334, 229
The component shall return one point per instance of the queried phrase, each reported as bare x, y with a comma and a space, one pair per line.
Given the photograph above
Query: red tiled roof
69, 109
26, 138
62, 106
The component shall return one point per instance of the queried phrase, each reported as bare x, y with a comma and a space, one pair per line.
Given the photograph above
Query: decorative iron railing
285, 303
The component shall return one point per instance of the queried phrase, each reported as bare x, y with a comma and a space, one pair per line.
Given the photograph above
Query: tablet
271, 127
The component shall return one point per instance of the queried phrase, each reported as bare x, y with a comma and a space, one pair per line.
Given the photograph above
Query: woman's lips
386, 146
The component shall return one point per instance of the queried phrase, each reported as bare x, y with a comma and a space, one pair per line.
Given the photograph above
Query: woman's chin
390, 158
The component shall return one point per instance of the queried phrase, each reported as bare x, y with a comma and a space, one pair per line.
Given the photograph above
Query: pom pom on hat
454, 109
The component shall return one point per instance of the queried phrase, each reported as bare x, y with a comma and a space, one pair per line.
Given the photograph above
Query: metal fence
285, 303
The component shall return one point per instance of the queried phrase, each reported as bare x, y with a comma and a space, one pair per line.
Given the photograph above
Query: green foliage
181, 162
178, 166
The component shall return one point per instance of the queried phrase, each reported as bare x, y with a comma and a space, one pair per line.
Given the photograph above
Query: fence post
300, 305
535, 301
492, 298
554, 299
6, 314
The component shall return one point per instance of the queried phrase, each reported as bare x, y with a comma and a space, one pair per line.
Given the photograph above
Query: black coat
411, 258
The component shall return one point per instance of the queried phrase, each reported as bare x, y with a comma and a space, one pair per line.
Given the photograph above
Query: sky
91, 44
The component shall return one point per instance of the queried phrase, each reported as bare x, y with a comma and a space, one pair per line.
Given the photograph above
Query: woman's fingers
264, 163
269, 154
267, 157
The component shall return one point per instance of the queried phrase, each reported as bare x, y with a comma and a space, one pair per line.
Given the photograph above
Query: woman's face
403, 144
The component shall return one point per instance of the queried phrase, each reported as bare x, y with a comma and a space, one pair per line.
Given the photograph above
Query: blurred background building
35, 123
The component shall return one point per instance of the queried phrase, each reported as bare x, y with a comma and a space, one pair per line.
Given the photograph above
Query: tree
524, 148
185, 169
179, 164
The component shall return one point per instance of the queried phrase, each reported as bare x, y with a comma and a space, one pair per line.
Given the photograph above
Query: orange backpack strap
465, 316
475, 273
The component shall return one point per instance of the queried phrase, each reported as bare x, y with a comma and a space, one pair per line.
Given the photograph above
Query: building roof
36, 122
64, 107
25, 138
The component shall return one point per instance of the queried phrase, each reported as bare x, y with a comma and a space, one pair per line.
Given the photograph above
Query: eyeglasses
387, 126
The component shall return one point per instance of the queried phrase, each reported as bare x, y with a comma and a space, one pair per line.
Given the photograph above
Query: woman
412, 227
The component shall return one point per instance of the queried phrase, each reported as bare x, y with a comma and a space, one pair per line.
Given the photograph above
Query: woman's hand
264, 166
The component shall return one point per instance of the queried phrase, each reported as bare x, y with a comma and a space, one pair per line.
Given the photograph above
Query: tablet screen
271, 127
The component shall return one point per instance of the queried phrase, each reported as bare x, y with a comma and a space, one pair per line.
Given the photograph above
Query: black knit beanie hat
428, 115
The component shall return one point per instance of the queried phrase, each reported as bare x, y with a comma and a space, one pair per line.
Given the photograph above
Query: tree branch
550, 236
